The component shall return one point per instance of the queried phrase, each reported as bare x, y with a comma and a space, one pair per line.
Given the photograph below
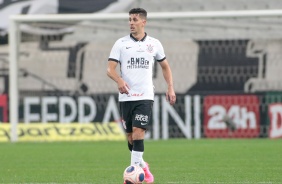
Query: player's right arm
111, 72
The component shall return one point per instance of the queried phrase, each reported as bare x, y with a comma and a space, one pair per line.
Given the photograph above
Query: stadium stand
207, 5
80, 65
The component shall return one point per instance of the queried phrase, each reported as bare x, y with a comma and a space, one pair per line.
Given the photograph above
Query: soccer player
136, 54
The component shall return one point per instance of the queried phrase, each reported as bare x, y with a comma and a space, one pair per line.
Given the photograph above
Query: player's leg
129, 141
142, 113
126, 116
138, 135
137, 153
125, 110
143, 164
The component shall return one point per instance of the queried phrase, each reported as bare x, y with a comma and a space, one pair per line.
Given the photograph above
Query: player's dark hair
140, 11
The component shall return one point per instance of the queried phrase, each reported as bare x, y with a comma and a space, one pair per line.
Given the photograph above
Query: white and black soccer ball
133, 175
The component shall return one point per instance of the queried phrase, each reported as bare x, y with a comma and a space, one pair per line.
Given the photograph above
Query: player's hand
170, 96
123, 87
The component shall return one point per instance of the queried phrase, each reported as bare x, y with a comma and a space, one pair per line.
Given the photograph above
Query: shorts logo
141, 117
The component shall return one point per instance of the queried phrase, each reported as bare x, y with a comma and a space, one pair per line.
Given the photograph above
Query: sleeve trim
160, 60
111, 59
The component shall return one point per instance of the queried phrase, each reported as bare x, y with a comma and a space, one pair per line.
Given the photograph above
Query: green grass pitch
221, 161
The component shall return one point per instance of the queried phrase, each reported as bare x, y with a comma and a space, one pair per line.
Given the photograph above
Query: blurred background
226, 70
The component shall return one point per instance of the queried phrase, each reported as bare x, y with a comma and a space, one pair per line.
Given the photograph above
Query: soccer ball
133, 175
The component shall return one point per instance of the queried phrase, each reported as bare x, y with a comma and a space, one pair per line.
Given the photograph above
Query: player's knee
138, 133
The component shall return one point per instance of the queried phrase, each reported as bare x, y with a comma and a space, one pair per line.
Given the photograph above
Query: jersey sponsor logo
136, 94
135, 63
127, 47
142, 117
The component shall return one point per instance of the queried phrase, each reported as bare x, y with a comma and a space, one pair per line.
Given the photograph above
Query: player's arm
111, 72
170, 94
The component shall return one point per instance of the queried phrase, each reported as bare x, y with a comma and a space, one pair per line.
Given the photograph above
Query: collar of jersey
143, 39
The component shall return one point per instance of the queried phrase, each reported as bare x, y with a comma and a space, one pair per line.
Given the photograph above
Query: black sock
130, 146
138, 145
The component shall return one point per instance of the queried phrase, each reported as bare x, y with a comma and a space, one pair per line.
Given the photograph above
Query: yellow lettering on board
64, 132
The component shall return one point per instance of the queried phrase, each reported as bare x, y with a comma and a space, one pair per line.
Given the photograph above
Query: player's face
136, 24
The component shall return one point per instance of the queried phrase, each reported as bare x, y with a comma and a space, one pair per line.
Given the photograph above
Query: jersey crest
150, 48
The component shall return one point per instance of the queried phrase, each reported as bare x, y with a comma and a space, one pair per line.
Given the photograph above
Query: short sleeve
160, 55
115, 52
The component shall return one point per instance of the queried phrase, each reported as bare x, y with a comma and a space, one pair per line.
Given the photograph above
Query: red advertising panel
3, 108
275, 116
231, 116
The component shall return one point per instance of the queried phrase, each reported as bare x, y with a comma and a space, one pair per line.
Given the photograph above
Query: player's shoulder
152, 39
123, 39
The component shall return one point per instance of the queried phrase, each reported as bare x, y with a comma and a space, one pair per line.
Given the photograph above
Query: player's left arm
170, 94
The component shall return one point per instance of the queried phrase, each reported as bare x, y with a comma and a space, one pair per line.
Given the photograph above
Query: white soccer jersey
136, 60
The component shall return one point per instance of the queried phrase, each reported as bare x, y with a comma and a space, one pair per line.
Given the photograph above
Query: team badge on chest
150, 48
